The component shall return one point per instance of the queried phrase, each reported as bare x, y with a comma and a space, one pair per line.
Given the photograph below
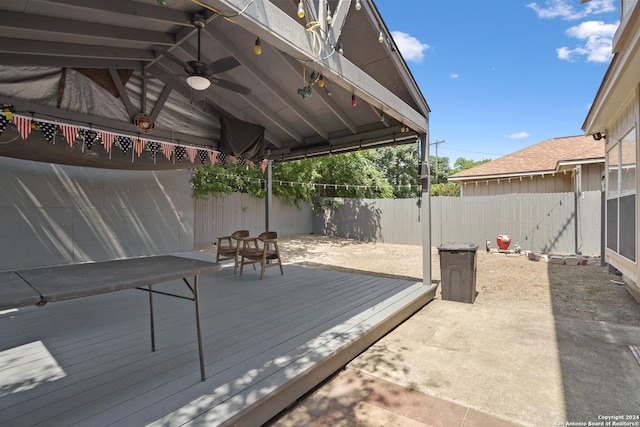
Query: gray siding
54, 214
222, 216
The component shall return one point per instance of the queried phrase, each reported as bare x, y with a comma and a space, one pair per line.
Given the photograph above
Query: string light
358, 5
321, 81
354, 102
329, 17
257, 48
381, 38
222, 175
340, 48
300, 10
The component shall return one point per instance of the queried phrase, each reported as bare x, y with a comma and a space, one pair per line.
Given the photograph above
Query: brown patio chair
262, 249
229, 246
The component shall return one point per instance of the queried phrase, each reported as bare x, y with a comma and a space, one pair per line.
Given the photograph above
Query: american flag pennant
263, 165
138, 146
192, 152
154, 147
4, 121
213, 157
89, 136
167, 149
107, 140
202, 155
24, 126
70, 133
180, 152
242, 161
222, 158
124, 142
48, 130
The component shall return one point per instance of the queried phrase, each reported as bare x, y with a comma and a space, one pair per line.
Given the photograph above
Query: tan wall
560, 183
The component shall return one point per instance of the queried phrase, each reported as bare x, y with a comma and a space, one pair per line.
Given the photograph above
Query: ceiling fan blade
229, 85
225, 64
174, 58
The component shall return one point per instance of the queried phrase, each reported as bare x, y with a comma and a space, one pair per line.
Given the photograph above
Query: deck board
88, 361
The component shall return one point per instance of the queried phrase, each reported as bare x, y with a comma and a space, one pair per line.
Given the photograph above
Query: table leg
153, 332
196, 300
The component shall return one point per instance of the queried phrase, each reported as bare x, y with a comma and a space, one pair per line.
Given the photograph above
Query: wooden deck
266, 342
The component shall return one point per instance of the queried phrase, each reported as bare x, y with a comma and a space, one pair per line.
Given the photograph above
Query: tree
462, 164
443, 171
220, 180
351, 174
399, 165
450, 189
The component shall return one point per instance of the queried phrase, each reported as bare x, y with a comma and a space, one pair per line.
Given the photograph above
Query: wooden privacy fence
220, 217
549, 222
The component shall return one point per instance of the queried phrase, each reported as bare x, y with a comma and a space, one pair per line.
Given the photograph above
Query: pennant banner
70, 133
167, 149
126, 143
24, 126
138, 146
107, 140
213, 157
4, 121
179, 152
192, 152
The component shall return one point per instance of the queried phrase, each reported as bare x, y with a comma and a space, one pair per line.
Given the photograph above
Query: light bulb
329, 19
300, 10
257, 48
321, 81
358, 5
381, 38
354, 102
340, 48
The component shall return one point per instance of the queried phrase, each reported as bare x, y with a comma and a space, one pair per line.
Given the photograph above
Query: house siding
626, 120
559, 182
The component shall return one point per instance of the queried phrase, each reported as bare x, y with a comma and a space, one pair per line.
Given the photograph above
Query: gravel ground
587, 292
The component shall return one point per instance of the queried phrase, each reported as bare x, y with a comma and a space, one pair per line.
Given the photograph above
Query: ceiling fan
200, 75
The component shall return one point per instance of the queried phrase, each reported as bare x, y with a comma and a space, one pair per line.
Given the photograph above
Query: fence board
544, 222
222, 216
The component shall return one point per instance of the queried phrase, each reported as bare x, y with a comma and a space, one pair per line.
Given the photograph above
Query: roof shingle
540, 157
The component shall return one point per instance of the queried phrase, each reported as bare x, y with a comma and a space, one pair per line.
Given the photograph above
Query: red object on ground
504, 241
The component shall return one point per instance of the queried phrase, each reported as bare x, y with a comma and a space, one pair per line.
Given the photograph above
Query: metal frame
196, 300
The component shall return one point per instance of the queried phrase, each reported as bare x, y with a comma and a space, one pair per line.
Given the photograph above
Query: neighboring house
614, 117
557, 165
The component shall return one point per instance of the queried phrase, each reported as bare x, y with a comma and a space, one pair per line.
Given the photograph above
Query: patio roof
99, 65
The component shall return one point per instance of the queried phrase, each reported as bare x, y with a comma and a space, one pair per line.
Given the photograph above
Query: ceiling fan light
198, 82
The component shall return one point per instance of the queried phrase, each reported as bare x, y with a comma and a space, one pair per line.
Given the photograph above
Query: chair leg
241, 265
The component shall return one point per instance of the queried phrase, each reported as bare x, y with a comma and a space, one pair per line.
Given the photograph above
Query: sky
502, 75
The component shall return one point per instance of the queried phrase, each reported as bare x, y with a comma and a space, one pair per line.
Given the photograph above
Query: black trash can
458, 271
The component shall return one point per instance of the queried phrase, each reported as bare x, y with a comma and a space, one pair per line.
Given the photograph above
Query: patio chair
262, 249
229, 246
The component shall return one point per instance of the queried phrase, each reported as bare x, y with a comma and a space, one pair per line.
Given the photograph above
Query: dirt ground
587, 292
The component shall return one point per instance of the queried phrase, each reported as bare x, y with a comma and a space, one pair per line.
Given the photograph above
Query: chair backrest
268, 235
239, 234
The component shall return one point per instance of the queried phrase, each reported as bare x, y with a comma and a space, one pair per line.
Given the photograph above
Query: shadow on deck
266, 343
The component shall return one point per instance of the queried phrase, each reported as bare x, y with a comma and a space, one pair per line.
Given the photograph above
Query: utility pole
436, 144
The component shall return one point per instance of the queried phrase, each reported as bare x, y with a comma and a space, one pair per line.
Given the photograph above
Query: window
621, 196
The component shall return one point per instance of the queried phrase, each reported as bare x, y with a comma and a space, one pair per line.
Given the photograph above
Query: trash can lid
470, 246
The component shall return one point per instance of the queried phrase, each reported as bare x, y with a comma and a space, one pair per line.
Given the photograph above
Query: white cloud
410, 47
570, 10
518, 135
596, 37
454, 75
